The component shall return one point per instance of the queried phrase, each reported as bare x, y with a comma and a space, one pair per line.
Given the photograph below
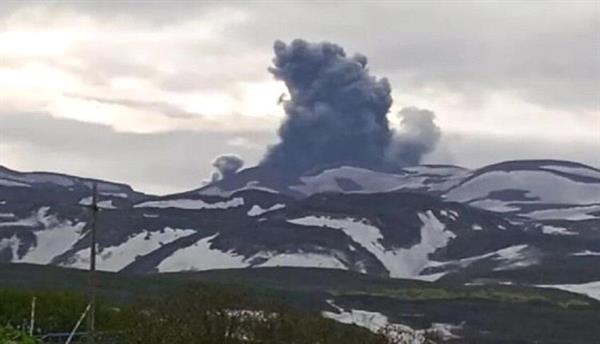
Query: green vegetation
490, 293
257, 304
56, 311
9, 335
199, 313
210, 314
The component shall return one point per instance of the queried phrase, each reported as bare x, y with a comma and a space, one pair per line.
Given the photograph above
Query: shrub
215, 315
8, 335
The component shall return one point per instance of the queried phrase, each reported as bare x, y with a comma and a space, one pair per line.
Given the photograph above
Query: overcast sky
149, 93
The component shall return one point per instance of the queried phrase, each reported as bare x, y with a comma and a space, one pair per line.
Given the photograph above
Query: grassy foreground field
482, 314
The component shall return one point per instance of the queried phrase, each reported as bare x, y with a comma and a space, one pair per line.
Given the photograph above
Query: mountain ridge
429, 222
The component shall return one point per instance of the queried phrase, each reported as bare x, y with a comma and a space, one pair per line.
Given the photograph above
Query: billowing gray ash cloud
418, 136
337, 113
226, 165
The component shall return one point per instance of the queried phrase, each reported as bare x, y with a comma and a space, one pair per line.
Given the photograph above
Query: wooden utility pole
32, 319
92, 275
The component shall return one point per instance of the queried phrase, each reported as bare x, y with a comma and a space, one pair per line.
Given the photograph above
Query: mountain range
521, 225
534, 222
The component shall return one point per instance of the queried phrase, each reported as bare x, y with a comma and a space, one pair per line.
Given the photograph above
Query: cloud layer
501, 77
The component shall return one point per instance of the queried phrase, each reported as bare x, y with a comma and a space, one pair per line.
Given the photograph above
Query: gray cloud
178, 161
158, 162
163, 108
545, 52
477, 150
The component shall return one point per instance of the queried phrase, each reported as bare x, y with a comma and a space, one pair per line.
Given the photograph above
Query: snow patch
580, 171
373, 321
494, 205
553, 230
304, 260
257, 210
444, 171
192, 204
11, 243
52, 242
200, 256
35, 219
398, 333
106, 204
48, 178
591, 289
400, 262
548, 187
511, 257
585, 253
115, 258
55, 237
115, 194
367, 180
572, 213
514, 257
12, 183
254, 185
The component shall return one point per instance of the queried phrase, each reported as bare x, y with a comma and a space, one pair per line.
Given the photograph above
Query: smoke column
337, 112
227, 165
334, 105
418, 136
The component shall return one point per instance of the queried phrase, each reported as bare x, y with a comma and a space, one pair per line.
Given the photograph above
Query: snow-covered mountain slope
520, 186
559, 194
527, 221
350, 179
390, 234
427, 178
76, 186
514, 187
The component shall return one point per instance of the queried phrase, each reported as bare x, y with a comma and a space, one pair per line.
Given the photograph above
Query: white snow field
192, 204
375, 322
591, 289
547, 187
508, 258
580, 171
200, 256
579, 213
115, 258
304, 260
367, 180
56, 237
257, 210
400, 262
553, 230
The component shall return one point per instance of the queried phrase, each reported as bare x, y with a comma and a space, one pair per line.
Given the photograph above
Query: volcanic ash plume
337, 112
418, 136
227, 165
